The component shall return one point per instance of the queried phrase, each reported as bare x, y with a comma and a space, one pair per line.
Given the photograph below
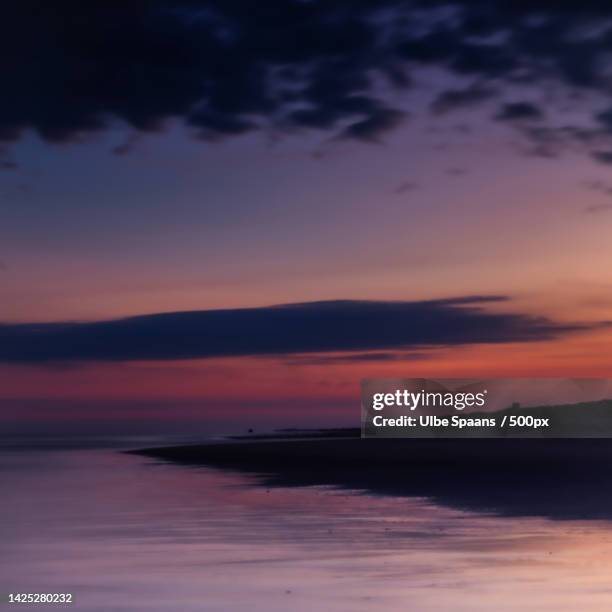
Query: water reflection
125, 533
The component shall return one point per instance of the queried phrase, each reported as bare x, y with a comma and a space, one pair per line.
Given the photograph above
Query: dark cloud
127, 146
406, 187
598, 186
453, 99
554, 140
598, 208
519, 111
456, 171
374, 126
72, 68
6, 163
316, 327
318, 360
220, 66
603, 157
605, 119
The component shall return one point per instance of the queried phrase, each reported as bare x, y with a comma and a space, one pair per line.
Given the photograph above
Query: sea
123, 532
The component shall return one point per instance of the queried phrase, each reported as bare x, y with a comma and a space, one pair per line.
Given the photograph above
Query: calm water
125, 533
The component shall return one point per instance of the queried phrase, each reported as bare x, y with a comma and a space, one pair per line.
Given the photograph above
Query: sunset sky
453, 159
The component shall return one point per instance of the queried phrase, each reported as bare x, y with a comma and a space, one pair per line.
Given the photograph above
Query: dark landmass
302, 434
554, 478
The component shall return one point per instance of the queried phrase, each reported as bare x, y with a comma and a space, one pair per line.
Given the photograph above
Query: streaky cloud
288, 329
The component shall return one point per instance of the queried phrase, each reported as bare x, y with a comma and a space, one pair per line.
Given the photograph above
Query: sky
222, 220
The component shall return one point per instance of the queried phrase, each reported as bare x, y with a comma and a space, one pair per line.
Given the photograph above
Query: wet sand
558, 479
